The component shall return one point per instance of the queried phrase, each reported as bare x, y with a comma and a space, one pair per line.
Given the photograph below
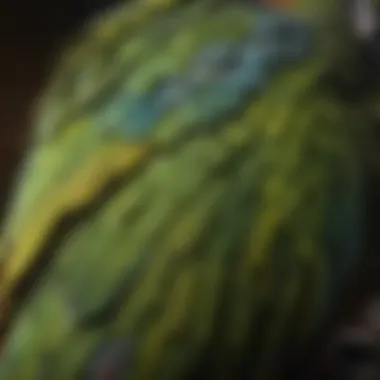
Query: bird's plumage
196, 195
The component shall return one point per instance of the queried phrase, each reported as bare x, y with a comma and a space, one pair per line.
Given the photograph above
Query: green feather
207, 247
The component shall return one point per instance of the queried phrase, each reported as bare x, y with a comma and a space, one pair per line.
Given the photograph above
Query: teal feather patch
216, 82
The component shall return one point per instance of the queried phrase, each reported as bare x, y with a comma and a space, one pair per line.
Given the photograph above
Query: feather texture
199, 197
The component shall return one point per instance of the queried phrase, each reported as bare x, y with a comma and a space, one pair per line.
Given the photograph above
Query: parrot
192, 202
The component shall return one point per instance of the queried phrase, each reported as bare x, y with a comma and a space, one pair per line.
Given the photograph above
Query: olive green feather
195, 192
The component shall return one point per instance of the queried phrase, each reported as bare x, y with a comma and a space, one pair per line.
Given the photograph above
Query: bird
192, 202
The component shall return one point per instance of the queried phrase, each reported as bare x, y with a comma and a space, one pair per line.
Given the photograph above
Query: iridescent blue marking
217, 82
129, 114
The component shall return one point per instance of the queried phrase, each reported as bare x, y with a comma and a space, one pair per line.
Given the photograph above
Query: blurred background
31, 34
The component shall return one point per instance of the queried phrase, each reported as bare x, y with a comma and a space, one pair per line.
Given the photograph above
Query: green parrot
193, 200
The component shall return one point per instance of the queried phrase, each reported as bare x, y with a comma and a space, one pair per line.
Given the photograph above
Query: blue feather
218, 81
